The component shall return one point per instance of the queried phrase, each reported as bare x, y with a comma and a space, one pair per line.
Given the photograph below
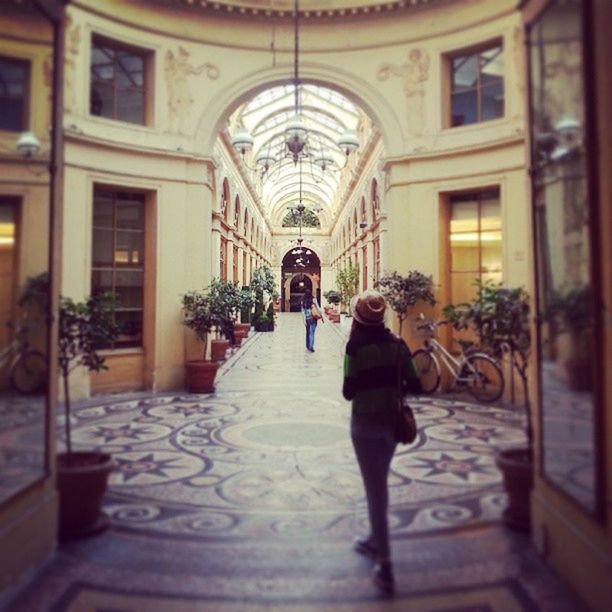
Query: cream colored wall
234, 58
181, 188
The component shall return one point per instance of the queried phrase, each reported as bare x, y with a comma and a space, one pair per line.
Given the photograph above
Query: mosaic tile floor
249, 498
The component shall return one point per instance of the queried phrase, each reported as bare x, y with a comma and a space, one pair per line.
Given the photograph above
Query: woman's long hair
307, 299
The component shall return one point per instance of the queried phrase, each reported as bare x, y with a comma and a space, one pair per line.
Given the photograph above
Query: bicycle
478, 372
28, 367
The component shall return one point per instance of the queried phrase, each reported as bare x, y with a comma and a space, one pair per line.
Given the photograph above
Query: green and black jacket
370, 370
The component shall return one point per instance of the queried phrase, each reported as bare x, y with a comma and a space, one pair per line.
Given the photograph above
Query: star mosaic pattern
269, 452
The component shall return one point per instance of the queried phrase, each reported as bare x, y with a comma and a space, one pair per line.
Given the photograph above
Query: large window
475, 242
14, 85
477, 85
118, 260
570, 335
117, 81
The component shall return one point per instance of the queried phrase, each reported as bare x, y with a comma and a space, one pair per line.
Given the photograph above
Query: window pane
101, 99
464, 108
130, 328
102, 247
101, 281
464, 254
492, 64
491, 252
129, 288
14, 78
117, 83
463, 286
464, 216
130, 212
103, 211
129, 248
130, 105
465, 72
492, 101
490, 213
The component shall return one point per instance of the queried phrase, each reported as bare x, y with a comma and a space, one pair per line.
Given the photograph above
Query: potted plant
223, 302
333, 297
404, 292
347, 282
82, 476
244, 304
271, 316
570, 314
247, 302
200, 316
500, 318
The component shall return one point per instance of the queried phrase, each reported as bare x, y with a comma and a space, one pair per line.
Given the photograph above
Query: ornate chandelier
299, 143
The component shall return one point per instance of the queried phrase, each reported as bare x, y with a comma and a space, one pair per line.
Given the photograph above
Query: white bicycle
475, 371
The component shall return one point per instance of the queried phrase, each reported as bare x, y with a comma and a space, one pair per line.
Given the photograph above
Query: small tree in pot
82, 476
404, 292
200, 316
347, 281
500, 318
333, 297
223, 300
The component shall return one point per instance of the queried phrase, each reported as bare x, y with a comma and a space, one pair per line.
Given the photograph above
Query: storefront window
563, 205
118, 259
475, 242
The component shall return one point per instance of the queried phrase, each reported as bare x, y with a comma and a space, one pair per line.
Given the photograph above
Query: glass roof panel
326, 115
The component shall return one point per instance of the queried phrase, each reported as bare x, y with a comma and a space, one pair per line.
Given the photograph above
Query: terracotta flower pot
245, 327
517, 471
218, 349
200, 376
81, 484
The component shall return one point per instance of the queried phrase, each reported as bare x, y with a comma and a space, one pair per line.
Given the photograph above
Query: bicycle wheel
29, 372
484, 378
428, 369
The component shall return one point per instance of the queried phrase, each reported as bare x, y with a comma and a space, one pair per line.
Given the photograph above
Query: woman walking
311, 313
371, 363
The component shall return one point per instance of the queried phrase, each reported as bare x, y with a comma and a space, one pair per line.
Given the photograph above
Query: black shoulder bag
405, 424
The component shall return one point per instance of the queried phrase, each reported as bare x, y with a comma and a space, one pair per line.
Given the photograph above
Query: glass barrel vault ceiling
327, 114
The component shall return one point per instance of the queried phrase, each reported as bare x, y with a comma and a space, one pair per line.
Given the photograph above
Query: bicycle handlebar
431, 325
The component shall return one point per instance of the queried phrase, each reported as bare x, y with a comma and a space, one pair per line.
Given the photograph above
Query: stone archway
292, 297
363, 94
299, 264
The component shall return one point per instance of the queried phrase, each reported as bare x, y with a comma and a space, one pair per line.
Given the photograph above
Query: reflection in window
117, 82
563, 247
14, 82
8, 234
118, 258
475, 242
477, 86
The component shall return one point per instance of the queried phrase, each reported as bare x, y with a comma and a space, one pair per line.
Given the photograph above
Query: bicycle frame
453, 365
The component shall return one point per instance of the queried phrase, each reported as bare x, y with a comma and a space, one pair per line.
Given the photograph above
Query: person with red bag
311, 311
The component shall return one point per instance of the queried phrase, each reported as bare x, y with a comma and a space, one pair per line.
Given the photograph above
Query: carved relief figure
177, 69
414, 73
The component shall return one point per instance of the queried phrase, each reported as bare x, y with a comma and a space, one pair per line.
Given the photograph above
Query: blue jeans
374, 442
311, 326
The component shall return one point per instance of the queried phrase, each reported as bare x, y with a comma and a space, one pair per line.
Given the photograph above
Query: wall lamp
28, 145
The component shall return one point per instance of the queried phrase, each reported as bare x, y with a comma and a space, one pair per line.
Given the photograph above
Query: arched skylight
327, 115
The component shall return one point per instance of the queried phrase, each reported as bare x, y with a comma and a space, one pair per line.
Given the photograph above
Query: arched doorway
301, 270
